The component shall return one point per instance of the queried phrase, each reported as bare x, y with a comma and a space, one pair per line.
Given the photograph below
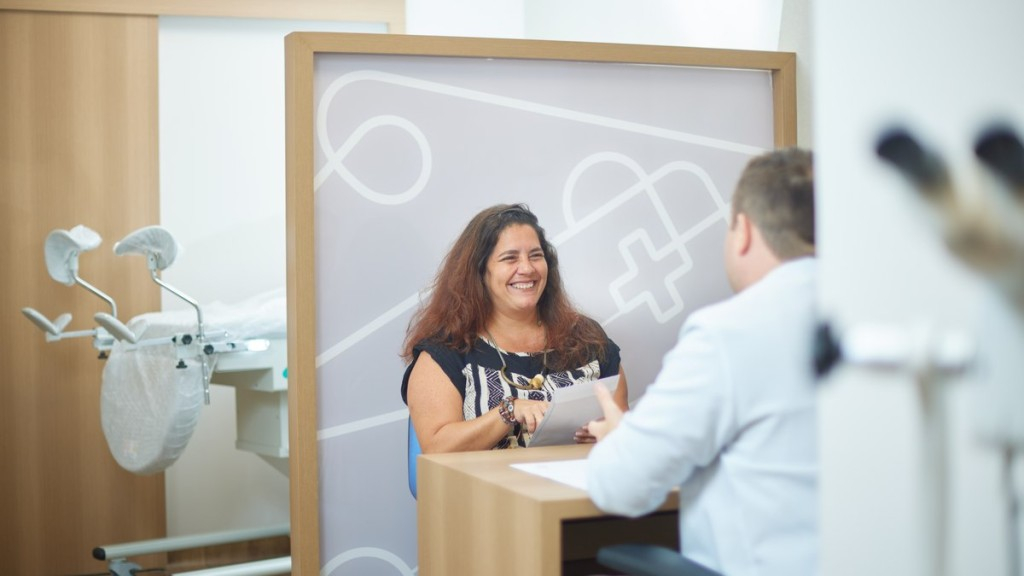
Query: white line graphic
334, 158
368, 329
364, 424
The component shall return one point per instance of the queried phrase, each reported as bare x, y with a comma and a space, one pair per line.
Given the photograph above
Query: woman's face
517, 271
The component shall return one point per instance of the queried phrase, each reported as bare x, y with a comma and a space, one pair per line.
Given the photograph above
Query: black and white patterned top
476, 376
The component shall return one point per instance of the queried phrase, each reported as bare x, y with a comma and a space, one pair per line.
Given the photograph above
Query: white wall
795, 35
739, 24
222, 195
492, 19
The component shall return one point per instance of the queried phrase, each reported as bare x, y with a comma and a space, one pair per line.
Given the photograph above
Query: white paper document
570, 408
571, 472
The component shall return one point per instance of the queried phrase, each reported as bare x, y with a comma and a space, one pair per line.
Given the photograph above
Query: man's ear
743, 234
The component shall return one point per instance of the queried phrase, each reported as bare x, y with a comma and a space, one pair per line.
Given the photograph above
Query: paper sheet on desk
571, 472
570, 408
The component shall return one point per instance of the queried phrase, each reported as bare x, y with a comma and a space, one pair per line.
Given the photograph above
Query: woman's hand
529, 413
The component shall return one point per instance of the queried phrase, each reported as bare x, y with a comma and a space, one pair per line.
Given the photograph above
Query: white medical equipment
159, 366
986, 233
985, 230
61, 249
154, 388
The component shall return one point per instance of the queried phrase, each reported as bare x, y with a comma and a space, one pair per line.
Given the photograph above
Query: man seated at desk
730, 419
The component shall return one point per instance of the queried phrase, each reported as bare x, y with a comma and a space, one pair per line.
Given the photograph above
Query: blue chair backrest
414, 451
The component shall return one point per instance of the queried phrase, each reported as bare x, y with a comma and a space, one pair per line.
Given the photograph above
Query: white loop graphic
334, 164
645, 183
368, 552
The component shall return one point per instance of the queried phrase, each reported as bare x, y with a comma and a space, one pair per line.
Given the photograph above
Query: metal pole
124, 550
260, 568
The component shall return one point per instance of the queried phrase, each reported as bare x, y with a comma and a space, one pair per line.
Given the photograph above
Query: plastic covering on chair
62, 248
150, 400
152, 241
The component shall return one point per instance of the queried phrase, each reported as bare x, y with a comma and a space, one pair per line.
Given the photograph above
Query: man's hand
583, 436
612, 414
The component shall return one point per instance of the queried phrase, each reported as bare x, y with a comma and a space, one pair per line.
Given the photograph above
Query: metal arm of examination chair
117, 554
650, 560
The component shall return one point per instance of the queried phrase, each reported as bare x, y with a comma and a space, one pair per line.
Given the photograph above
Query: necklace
536, 383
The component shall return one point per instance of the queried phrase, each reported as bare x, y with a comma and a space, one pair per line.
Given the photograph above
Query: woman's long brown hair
459, 305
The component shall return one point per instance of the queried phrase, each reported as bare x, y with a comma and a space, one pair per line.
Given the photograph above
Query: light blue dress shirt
730, 420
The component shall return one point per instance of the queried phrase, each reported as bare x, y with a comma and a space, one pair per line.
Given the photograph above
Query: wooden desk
478, 515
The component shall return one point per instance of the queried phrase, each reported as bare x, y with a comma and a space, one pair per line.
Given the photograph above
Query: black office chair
649, 560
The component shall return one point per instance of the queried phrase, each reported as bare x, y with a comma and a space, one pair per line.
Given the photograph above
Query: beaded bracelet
507, 410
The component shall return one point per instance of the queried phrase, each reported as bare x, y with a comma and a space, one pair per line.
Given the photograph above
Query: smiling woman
497, 337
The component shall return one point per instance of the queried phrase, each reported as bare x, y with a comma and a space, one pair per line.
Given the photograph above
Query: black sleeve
450, 361
610, 365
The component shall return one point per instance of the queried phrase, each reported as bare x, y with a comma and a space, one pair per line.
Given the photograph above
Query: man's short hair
776, 191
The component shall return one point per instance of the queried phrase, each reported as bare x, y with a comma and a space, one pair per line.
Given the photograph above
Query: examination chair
649, 560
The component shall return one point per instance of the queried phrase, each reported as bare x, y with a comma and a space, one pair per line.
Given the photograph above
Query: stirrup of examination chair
650, 560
